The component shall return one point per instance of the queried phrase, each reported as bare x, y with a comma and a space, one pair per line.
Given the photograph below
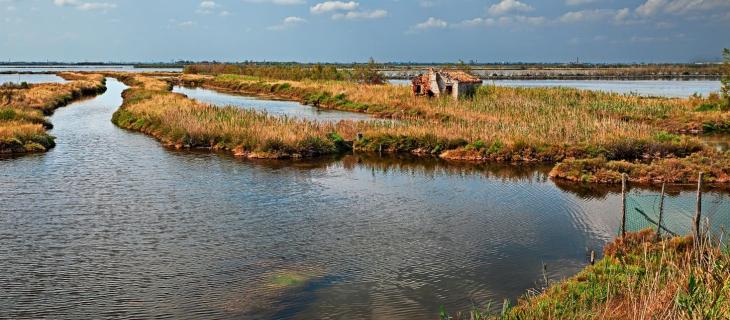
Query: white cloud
430, 23
652, 7
287, 23
506, 6
476, 22
358, 15
206, 7
586, 15
620, 16
329, 6
208, 4
86, 6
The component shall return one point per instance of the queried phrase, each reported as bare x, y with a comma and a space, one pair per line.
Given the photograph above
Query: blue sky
346, 31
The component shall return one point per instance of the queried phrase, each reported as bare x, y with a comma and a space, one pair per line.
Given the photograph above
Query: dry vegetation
639, 277
175, 120
23, 109
597, 136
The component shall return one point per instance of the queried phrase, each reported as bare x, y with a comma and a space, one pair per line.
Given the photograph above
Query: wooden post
661, 213
593, 257
698, 214
623, 205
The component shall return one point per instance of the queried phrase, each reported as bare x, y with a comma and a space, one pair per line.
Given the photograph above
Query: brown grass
23, 110
641, 278
498, 124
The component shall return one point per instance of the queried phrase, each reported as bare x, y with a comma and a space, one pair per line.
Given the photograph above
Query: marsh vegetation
590, 131
23, 108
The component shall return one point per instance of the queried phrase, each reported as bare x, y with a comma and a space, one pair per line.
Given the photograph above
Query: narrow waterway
274, 107
111, 224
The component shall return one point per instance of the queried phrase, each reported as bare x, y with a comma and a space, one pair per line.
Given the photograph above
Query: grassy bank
638, 278
519, 124
177, 121
555, 125
715, 165
24, 107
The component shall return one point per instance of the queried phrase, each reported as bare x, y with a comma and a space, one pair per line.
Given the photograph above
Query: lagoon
113, 224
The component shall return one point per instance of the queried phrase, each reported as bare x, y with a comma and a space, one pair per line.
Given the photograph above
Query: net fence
642, 212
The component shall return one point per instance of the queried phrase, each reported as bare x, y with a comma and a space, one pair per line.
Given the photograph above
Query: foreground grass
638, 278
23, 109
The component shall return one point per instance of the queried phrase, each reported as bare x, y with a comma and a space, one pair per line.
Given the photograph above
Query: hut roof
461, 76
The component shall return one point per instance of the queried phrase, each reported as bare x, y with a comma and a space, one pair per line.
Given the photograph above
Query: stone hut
456, 84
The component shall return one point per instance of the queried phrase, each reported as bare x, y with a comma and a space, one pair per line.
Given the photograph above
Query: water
31, 78
657, 88
39, 68
111, 224
274, 107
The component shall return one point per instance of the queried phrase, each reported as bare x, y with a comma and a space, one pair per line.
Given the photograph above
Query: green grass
639, 277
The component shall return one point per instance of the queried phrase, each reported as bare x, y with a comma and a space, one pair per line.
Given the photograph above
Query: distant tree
462, 66
368, 73
726, 76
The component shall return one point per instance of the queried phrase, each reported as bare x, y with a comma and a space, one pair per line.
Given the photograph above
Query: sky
603, 31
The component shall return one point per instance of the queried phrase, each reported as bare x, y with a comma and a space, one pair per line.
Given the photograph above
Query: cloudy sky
346, 31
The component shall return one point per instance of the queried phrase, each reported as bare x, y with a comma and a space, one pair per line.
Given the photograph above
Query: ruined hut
456, 84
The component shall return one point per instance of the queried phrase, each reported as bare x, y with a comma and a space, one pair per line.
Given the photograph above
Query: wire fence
676, 214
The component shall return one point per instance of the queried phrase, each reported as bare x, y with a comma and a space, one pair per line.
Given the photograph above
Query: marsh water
273, 107
30, 78
656, 88
90, 68
110, 224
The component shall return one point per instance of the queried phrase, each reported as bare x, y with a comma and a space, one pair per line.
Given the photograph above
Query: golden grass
182, 122
22, 110
641, 278
503, 124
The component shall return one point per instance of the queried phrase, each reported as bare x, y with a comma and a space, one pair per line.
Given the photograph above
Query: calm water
83, 68
659, 88
109, 224
30, 78
279, 108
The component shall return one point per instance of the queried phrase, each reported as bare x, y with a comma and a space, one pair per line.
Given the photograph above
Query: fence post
698, 214
623, 205
661, 213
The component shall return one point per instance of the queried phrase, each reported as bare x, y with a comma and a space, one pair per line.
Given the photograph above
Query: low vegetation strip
635, 135
23, 108
714, 164
177, 121
639, 277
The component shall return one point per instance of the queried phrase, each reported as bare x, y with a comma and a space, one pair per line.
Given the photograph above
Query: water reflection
112, 224
274, 107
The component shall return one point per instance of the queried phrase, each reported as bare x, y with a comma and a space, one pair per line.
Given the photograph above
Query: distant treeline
362, 73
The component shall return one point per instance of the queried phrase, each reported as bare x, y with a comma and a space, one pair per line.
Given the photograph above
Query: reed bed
640, 277
498, 124
23, 109
184, 123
